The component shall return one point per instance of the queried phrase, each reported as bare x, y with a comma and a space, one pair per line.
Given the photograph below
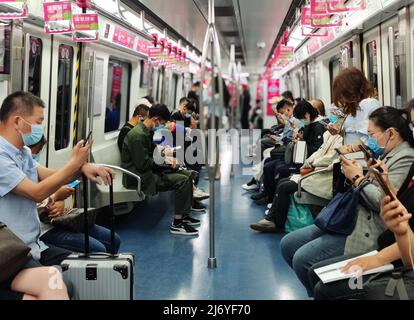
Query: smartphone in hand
384, 186
74, 184
88, 139
370, 156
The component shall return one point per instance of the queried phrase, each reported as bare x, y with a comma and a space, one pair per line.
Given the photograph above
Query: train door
396, 59
372, 65
36, 70
62, 98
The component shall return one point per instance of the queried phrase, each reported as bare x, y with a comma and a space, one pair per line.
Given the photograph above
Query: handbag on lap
14, 254
340, 215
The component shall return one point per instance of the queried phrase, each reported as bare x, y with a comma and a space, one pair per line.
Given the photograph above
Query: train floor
168, 267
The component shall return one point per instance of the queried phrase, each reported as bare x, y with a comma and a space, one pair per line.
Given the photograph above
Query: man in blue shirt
24, 182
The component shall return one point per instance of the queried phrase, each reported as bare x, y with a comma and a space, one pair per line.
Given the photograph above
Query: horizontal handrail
128, 173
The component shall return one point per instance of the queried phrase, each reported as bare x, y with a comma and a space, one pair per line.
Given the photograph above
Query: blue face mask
34, 136
188, 116
333, 119
372, 143
36, 157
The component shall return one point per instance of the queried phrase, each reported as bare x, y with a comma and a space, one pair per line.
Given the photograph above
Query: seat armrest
128, 173
299, 193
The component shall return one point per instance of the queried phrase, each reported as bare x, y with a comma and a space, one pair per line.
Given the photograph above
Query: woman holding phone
396, 246
389, 130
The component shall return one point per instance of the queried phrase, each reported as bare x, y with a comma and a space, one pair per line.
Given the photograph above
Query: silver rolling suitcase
100, 276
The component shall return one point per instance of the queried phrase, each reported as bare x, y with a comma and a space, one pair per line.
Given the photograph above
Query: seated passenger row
32, 195
359, 121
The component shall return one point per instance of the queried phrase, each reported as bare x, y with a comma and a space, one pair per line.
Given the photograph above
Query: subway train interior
314, 99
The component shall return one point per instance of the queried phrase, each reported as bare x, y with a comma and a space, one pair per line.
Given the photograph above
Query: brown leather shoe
264, 226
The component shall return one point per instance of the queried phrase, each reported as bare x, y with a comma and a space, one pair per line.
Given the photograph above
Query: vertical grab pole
212, 260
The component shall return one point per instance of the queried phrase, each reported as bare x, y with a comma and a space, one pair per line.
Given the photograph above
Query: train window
372, 64
35, 65
117, 99
5, 43
64, 97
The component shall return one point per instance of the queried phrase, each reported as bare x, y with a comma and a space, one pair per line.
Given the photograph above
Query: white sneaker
267, 212
251, 186
200, 194
269, 206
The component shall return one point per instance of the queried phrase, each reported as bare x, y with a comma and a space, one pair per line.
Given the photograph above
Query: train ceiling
251, 25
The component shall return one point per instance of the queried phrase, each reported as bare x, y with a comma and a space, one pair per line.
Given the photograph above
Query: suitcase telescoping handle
85, 213
112, 210
86, 216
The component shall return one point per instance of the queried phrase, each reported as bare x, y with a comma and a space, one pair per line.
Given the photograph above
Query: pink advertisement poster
273, 90
116, 82
124, 38
57, 11
142, 46
86, 22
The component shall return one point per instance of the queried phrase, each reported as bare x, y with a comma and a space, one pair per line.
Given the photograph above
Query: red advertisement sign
321, 21
86, 22
306, 22
318, 7
124, 38
338, 6
306, 17
142, 46
116, 82
273, 90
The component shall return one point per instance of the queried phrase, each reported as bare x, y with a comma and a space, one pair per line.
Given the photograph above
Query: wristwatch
355, 179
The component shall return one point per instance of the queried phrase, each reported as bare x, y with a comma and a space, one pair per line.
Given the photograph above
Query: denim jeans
305, 247
99, 239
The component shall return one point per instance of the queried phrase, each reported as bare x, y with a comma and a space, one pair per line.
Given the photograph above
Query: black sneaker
198, 207
183, 229
191, 221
